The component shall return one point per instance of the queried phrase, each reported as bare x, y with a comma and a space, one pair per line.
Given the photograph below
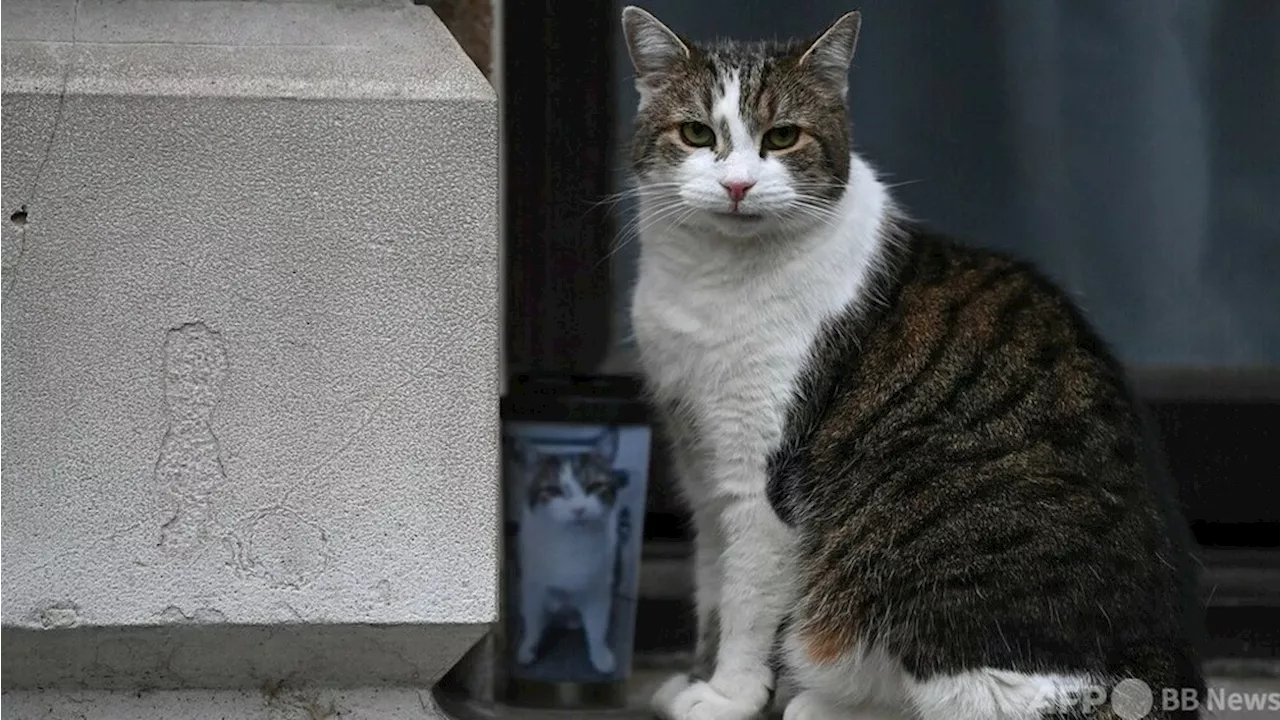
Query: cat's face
740, 139
577, 490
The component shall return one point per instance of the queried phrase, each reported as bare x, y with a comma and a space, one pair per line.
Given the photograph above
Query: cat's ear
653, 46
830, 55
606, 446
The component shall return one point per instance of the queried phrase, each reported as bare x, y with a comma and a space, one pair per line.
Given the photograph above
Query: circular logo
1131, 699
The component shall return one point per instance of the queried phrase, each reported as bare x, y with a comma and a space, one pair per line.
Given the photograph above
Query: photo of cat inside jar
574, 509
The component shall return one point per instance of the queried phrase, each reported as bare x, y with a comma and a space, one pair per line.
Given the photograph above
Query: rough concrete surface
249, 344
267, 703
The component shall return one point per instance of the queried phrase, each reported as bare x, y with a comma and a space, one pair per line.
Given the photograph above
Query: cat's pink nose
737, 190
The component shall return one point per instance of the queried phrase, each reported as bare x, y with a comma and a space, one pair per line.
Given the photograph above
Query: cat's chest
564, 556
726, 358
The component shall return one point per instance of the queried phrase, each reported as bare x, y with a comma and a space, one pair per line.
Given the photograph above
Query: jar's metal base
636, 694
565, 696
462, 708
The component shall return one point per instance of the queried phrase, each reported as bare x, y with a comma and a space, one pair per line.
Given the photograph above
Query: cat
567, 547
920, 485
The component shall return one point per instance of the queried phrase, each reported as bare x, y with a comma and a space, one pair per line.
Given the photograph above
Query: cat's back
968, 337
973, 363
975, 432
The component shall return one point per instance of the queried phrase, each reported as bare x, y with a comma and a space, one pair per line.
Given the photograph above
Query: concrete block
250, 341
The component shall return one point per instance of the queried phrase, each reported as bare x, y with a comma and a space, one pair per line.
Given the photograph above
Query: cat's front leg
533, 619
708, 549
596, 613
755, 593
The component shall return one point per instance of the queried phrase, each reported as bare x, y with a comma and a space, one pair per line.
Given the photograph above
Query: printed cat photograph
920, 484
570, 494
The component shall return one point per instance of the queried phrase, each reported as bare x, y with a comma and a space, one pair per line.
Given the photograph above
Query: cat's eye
695, 134
781, 137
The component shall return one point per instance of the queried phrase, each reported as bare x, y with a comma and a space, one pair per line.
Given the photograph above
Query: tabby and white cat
567, 546
920, 485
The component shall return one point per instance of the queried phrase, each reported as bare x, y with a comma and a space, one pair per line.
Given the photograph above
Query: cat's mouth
736, 215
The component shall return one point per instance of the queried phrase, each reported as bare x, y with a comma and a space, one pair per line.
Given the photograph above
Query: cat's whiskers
803, 208
641, 222
634, 224
637, 192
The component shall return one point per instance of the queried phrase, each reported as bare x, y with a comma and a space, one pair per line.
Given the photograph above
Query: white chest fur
725, 326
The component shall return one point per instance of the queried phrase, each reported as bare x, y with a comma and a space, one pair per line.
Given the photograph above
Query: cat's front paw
602, 660
663, 701
808, 706
678, 699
